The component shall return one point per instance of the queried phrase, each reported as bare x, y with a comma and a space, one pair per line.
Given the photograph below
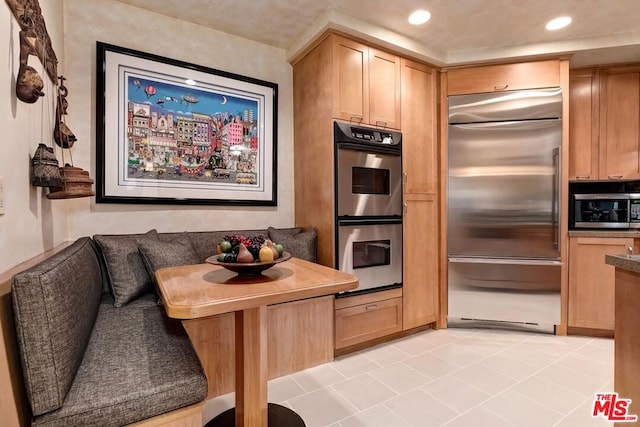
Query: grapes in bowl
248, 255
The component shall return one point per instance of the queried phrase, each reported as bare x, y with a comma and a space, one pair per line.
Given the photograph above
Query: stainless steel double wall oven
368, 208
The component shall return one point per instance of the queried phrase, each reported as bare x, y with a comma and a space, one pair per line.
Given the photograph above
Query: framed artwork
172, 132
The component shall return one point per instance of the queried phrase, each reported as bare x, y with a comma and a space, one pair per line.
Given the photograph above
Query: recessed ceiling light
557, 23
190, 82
419, 17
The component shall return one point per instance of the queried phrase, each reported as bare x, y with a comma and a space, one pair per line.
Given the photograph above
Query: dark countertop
634, 234
626, 262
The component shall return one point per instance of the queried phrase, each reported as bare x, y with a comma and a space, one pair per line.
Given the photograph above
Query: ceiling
459, 32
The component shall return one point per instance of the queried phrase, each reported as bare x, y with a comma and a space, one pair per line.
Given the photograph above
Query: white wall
89, 21
31, 223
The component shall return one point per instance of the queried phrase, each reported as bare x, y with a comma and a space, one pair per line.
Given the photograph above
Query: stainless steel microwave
606, 210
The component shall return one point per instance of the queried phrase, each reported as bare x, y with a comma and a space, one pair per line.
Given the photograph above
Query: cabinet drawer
492, 78
365, 322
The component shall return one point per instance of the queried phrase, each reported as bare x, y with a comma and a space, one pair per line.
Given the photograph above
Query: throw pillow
127, 274
301, 245
158, 254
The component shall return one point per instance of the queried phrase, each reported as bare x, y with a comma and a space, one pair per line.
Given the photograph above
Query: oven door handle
345, 221
503, 261
394, 150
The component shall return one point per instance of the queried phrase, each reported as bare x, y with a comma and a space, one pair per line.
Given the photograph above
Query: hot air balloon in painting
150, 91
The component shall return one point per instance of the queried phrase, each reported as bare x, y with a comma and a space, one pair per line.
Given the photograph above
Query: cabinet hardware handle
355, 118
615, 176
404, 207
500, 87
630, 250
404, 177
583, 176
371, 307
381, 123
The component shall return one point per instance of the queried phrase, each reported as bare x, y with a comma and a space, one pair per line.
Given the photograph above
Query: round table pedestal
279, 416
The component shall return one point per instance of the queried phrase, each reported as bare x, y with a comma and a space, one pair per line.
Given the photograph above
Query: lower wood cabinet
591, 281
365, 317
420, 260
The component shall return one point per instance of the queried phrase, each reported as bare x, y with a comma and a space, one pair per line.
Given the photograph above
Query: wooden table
203, 290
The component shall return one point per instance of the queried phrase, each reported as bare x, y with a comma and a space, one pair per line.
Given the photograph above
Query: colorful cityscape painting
169, 131
189, 132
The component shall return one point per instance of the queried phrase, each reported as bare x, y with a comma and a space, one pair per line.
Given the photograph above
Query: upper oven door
368, 183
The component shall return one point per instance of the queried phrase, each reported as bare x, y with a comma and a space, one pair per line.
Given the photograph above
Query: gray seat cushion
138, 364
55, 304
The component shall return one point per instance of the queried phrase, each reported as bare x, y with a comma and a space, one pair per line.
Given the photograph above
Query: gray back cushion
300, 244
55, 304
158, 254
128, 276
205, 242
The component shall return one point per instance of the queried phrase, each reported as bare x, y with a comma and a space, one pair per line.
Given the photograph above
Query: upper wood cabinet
366, 84
419, 124
492, 78
584, 106
620, 123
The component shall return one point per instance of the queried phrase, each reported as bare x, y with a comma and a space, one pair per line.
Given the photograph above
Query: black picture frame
172, 132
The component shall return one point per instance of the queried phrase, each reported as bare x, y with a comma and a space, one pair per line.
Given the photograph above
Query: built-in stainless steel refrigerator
503, 209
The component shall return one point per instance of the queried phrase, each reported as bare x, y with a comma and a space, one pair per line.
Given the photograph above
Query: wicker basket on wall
45, 170
76, 182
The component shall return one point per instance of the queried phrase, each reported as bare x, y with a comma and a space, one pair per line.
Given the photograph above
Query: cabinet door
492, 78
591, 281
384, 89
583, 124
351, 80
419, 128
619, 125
420, 261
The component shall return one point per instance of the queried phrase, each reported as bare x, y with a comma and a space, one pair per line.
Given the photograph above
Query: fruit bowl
248, 268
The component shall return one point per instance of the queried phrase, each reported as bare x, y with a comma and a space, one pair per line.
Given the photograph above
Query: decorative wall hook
29, 84
61, 132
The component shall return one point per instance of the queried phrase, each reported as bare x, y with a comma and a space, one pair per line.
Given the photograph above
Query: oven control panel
372, 135
346, 133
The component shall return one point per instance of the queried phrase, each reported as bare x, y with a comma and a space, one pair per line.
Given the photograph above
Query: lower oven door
371, 250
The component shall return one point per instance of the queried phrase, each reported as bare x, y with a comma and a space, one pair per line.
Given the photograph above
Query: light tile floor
453, 378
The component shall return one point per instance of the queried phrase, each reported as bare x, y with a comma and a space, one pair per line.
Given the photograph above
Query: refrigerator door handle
555, 201
469, 260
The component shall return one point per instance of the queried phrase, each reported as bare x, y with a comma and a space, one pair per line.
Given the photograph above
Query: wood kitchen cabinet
338, 78
419, 124
366, 84
584, 124
591, 281
620, 123
421, 260
366, 317
420, 194
493, 78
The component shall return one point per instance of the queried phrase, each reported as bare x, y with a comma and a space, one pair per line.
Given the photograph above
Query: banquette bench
94, 343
